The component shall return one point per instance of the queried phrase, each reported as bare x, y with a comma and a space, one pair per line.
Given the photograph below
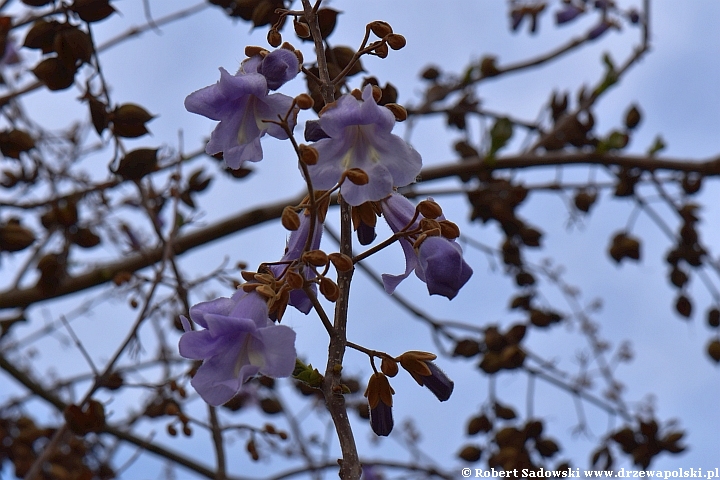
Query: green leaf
500, 133
657, 146
307, 374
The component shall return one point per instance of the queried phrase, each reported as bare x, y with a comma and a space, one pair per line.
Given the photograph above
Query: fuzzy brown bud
290, 219
308, 154
329, 289
342, 262
398, 111
396, 41
304, 101
357, 176
301, 29
317, 258
389, 367
449, 230
382, 50
380, 28
294, 280
251, 50
274, 38
429, 209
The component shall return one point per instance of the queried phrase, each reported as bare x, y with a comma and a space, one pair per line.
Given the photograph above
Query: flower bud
301, 29
308, 154
290, 219
304, 101
329, 289
251, 50
317, 258
342, 262
274, 38
294, 280
389, 367
398, 111
449, 230
382, 50
429, 209
376, 93
380, 28
379, 394
357, 176
428, 225
396, 41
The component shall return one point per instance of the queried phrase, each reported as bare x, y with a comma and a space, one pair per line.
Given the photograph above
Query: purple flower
437, 382
567, 14
242, 105
295, 246
437, 261
379, 394
239, 341
599, 30
426, 373
278, 67
359, 137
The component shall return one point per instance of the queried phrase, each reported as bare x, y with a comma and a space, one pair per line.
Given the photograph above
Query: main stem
350, 468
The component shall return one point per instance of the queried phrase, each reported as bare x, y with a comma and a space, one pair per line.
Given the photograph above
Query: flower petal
219, 306
441, 267
278, 343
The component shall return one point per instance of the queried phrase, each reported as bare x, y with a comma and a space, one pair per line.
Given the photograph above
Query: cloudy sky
675, 86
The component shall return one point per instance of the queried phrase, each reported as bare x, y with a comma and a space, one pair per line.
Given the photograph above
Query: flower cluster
353, 151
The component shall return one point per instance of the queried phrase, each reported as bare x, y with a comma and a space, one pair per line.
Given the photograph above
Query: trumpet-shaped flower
359, 137
245, 110
437, 261
295, 246
239, 341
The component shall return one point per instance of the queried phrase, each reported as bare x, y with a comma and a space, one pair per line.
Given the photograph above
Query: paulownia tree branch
20, 298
